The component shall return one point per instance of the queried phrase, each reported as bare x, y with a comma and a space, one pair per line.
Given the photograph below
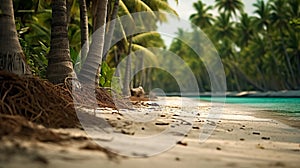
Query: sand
242, 137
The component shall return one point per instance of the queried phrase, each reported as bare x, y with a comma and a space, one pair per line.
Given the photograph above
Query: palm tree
142, 42
110, 28
11, 54
59, 62
280, 20
293, 42
293, 45
294, 6
223, 28
245, 30
263, 27
202, 17
223, 36
126, 7
230, 6
93, 61
126, 83
84, 29
256, 60
263, 15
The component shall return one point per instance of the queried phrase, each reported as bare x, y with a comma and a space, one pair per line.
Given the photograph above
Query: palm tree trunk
142, 73
11, 54
99, 13
297, 55
126, 86
136, 76
69, 7
200, 83
237, 83
241, 74
91, 69
289, 65
110, 27
59, 62
272, 53
84, 30
263, 82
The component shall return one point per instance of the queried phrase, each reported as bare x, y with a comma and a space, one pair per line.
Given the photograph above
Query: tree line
259, 51
50, 38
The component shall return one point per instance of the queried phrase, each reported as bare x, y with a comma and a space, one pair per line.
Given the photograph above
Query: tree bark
12, 58
126, 85
59, 62
91, 69
288, 62
84, 30
110, 27
243, 75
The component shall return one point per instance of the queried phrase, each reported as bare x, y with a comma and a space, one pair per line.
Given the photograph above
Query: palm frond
143, 6
164, 6
126, 11
149, 55
122, 30
144, 37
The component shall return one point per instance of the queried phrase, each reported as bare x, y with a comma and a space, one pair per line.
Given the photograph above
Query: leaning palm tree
202, 17
223, 37
59, 62
230, 6
11, 54
110, 27
262, 23
280, 20
92, 64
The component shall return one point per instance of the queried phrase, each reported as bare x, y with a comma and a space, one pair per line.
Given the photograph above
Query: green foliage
33, 23
33, 39
259, 52
295, 23
33, 26
35, 56
106, 75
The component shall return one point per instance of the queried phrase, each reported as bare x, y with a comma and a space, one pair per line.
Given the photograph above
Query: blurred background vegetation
259, 52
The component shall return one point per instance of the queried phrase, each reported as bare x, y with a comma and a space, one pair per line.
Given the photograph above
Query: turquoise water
288, 106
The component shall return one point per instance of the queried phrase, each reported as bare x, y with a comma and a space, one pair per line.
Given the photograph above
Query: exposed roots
41, 102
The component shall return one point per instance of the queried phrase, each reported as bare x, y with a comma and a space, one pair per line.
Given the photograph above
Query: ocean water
283, 106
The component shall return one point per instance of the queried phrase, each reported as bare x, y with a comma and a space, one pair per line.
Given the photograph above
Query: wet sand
240, 138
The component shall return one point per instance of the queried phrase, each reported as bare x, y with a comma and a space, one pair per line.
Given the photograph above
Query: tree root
43, 103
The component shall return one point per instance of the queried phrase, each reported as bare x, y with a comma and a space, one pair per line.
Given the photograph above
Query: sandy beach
242, 137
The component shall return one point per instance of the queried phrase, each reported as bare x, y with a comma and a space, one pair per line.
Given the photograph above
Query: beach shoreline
242, 138
259, 111
273, 94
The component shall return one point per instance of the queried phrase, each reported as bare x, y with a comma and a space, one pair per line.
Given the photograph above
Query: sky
185, 7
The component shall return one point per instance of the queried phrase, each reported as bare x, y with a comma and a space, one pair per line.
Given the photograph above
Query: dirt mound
43, 103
